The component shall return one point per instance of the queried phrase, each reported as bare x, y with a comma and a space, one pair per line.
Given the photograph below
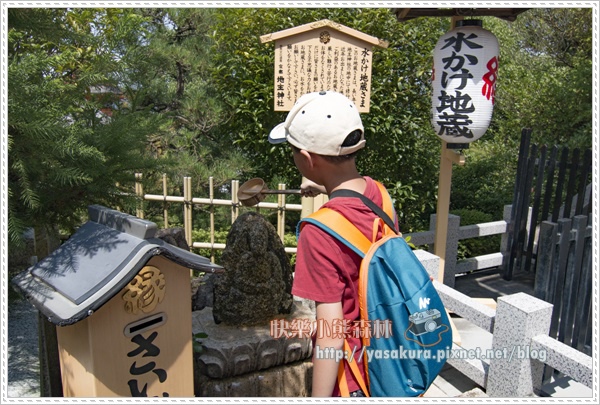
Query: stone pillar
504, 248
451, 247
513, 371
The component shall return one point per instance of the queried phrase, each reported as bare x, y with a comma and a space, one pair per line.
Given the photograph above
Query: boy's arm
325, 368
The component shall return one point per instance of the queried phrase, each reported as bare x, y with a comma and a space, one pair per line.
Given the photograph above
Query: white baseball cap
319, 122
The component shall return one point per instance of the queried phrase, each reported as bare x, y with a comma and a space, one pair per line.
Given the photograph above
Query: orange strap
343, 227
342, 381
388, 207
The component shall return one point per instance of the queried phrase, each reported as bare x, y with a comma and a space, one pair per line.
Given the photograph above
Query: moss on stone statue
257, 284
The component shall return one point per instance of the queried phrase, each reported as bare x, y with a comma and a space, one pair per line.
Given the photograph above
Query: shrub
476, 246
203, 235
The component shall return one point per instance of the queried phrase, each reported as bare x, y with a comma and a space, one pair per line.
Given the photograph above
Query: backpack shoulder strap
342, 379
388, 204
341, 228
386, 213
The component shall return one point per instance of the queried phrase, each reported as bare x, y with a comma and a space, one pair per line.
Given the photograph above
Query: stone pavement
22, 355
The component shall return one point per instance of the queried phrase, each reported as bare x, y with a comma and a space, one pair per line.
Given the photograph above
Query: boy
325, 131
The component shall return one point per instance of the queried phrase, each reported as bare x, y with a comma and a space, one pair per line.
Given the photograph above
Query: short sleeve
317, 275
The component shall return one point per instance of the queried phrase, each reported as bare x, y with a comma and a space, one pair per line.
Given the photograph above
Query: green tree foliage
173, 78
545, 68
96, 95
72, 139
486, 182
177, 74
545, 77
189, 92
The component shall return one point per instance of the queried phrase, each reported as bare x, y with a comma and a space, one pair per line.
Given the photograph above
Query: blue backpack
397, 294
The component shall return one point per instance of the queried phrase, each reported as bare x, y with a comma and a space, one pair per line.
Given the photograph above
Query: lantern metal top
469, 23
97, 262
405, 14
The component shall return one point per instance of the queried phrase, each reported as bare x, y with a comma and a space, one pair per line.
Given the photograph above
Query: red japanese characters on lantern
465, 69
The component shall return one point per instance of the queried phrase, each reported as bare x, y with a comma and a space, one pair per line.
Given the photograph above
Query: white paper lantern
465, 68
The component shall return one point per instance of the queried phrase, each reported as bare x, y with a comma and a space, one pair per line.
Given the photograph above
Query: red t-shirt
327, 270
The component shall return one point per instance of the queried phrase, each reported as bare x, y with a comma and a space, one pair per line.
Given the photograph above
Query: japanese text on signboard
303, 68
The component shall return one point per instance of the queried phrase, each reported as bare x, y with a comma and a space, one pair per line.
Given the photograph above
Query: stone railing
452, 266
514, 365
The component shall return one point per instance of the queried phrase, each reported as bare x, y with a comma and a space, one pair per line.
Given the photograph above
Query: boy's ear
308, 157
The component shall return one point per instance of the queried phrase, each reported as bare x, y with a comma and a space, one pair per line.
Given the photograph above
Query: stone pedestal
290, 380
270, 359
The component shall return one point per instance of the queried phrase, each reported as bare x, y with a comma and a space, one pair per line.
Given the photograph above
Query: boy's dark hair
352, 139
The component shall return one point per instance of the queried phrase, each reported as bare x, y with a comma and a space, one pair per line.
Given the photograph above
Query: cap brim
278, 134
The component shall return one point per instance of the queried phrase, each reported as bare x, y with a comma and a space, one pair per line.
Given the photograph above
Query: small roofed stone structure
122, 299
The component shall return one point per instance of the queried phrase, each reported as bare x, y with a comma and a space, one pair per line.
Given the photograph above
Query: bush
476, 246
203, 235
486, 183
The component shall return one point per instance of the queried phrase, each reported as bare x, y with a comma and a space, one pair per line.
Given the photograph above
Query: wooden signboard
138, 344
319, 56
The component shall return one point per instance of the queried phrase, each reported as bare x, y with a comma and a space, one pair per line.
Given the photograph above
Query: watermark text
402, 353
338, 328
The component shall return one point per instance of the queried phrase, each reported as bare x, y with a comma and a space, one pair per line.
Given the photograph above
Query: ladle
253, 191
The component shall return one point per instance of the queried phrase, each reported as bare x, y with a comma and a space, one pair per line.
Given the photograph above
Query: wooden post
307, 207
212, 218
281, 213
165, 204
447, 158
139, 192
187, 209
310, 205
235, 185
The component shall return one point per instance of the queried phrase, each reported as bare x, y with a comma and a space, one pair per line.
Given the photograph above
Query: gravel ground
23, 358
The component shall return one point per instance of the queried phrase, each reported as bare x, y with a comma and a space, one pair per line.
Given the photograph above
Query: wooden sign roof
101, 258
322, 24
